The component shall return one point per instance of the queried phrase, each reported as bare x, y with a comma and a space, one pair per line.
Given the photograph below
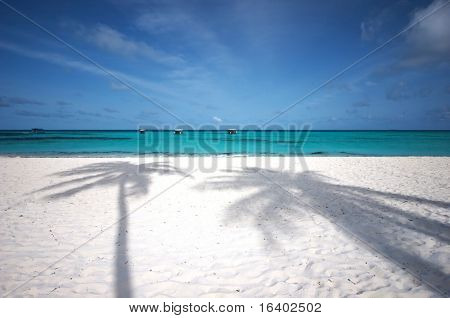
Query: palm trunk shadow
130, 180
123, 284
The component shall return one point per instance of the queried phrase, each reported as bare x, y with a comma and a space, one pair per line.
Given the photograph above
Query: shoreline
221, 155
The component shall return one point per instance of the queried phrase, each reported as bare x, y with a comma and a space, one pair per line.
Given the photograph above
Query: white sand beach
346, 227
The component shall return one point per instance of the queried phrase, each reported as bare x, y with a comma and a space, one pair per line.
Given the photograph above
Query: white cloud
63, 61
427, 44
439, 113
370, 28
114, 41
217, 119
192, 34
162, 22
170, 90
116, 86
366, 30
378, 25
429, 41
402, 91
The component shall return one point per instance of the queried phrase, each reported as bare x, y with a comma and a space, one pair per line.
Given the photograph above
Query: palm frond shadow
374, 217
130, 180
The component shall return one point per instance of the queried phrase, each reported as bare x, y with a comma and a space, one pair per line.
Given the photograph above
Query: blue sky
224, 62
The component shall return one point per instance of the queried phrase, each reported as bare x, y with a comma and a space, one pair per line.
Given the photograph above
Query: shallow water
319, 143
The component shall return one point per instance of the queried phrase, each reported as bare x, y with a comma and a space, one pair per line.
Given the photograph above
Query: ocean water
314, 143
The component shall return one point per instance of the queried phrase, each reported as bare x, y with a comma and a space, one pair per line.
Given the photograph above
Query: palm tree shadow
131, 180
376, 218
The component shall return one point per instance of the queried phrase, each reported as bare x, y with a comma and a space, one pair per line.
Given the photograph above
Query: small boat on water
178, 131
37, 130
232, 131
142, 131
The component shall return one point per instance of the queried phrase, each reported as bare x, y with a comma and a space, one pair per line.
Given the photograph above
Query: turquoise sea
314, 143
